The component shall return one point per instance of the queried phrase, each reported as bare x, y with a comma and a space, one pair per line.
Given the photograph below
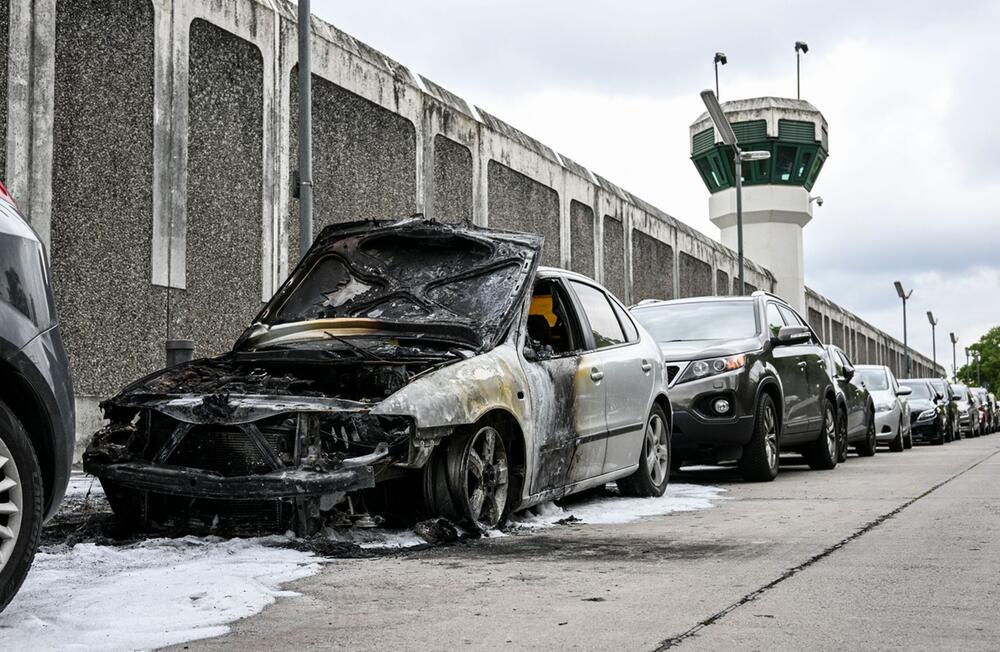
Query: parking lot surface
896, 551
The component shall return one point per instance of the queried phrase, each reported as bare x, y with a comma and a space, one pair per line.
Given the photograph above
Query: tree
988, 369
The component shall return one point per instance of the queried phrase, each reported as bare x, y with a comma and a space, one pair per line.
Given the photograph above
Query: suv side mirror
903, 391
848, 372
938, 397
790, 335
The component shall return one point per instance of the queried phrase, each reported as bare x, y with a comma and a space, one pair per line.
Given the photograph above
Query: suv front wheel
759, 462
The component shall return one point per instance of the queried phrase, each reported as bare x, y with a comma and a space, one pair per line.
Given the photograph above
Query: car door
628, 377
566, 390
810, 358
794, 379
857, 408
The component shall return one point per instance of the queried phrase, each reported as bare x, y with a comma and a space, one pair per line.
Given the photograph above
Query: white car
892, 420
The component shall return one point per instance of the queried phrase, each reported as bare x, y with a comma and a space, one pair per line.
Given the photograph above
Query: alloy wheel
657, 450
831, 433
11, 504
486, 477
770, 437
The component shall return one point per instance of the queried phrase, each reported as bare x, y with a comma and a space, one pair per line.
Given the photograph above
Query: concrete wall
152, 145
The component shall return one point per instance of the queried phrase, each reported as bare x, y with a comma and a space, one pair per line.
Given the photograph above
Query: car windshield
705, 320
874, 379
919, 390
959, 391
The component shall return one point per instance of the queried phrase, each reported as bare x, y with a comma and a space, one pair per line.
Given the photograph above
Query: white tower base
773, 217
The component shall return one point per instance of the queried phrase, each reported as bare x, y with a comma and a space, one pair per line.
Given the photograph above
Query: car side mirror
938, 397
790, 335
848, 372
904, 391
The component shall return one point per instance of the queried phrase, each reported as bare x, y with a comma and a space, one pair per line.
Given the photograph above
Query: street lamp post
978, 357
729, 138
934, 323
800, 46
904, 295
954, 359
720, 58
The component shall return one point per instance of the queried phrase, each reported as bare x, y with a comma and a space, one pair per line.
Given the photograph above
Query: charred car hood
699, 349
416, 275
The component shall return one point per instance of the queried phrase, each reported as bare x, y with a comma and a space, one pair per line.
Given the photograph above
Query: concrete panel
816, 321
224, 180
364, 159
4, 64
614, 256
696, 277
837, 336
518, 203
749, 288
722, 283
452, 200
652, 268
581, 218
113, 320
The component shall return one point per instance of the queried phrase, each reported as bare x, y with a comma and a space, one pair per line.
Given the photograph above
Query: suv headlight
713, 366
927, 414
883, 407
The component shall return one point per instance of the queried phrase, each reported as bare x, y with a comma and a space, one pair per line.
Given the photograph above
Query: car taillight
4, 194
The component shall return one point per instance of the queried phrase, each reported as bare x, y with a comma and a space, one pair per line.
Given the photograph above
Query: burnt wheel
650, 479
21, 493
469, 480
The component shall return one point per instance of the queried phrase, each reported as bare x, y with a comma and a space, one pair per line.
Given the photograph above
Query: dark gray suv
747, 380
36, 399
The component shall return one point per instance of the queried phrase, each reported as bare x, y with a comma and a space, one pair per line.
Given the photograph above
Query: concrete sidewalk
766, 569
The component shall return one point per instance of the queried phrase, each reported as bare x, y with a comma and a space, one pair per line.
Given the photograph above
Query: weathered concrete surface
614, 256
581, 238
452, 198
519, 203
4, 50
924, 577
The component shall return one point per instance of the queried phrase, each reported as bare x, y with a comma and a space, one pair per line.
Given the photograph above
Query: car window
838, 364
844, 360
774, 319
603, 322
631, 333
920, 390
874, 379
791, 318
699, 320
552, 328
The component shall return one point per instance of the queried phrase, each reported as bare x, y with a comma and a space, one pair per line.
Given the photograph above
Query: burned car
439, 359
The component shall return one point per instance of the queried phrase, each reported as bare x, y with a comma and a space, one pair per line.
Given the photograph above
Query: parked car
928, 415
947, 399
968, 411
36, 399
892, 421
747, 381
439, 356
996, 412
985, 410
855, 408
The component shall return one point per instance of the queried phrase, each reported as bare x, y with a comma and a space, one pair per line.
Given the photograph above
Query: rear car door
628, 377
567, 392
857, 407
791, 369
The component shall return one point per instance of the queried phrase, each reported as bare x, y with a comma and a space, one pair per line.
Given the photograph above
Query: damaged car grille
226, 450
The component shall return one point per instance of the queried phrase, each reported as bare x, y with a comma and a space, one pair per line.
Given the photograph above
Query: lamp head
720, 57
801, 46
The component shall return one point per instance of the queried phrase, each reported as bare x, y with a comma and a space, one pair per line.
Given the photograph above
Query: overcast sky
910, 90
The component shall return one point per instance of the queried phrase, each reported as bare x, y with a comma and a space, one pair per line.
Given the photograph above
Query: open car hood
414, 276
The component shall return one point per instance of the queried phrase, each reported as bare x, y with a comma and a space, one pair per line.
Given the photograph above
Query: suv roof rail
647, 302
765, 293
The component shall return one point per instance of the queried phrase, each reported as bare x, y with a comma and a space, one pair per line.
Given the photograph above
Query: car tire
651, 478
759, 461
942, 436
869, 445
822, 453
898, 444
841, 437
908, 440
21, 502
469, 478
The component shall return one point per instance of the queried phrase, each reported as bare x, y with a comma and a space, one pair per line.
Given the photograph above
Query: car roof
649, 303
550, 272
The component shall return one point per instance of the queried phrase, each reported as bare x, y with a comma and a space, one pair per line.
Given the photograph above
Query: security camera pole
729, 138
720, 58
305, 188
906, 347
954, 359
934, 323
803, 47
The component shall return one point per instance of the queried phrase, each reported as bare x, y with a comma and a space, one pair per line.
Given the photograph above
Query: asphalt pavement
898, 551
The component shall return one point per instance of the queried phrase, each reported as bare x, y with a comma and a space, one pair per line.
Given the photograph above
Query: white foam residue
156, 593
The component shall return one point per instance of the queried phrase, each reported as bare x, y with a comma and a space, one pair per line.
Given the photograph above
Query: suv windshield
682, 322
959, 391
874, 379
919, 390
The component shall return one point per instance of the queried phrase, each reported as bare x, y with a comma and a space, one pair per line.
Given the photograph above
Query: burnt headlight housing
712, 367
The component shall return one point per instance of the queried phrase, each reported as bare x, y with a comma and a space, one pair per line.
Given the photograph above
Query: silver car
409, 354
892, 421
968, 410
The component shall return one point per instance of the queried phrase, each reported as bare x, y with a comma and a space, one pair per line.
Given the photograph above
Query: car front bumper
886, 425
697, 431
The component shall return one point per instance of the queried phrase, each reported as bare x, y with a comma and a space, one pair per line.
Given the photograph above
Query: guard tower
776, 199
